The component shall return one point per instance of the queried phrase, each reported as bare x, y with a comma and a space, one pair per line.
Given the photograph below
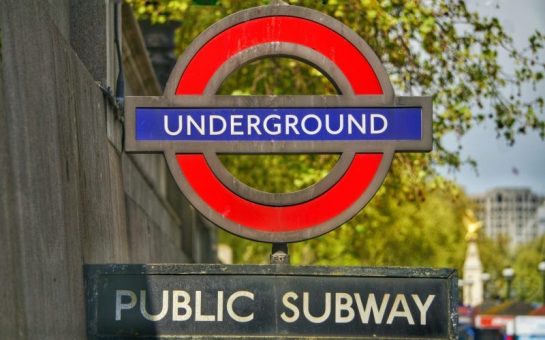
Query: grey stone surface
10, 322
91, 35
68, 194
59, 12
138, 68
41, 80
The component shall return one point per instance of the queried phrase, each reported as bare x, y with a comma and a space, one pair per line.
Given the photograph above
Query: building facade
509, 212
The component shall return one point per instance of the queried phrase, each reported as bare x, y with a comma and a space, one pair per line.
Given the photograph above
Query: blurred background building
511, 212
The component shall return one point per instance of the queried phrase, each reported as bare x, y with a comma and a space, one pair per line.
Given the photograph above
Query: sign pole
279, 253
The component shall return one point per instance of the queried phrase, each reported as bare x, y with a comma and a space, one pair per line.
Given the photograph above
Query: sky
501, 165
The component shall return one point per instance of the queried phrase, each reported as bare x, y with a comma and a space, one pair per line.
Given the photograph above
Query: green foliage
496, 255
423, 232
528, 282
435, 47
279, 173
278, 76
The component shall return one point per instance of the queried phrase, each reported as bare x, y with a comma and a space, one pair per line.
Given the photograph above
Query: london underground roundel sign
191, 125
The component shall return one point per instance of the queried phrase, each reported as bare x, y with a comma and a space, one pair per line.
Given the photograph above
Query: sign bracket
279, 253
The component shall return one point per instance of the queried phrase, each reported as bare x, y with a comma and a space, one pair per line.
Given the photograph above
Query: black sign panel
259, 301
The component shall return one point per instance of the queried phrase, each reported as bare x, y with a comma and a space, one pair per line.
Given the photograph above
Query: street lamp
485, 277
541, 268
508, 274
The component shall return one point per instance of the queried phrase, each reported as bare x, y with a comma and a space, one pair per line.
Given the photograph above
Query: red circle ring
294, 222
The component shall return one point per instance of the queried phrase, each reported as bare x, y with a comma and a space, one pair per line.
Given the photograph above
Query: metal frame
346, 99
94, 272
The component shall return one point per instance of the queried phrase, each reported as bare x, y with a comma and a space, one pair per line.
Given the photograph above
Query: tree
437, 47
527, 282
495, 256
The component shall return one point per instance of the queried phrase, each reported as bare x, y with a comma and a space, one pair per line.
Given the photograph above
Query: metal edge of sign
453, 303
92, 273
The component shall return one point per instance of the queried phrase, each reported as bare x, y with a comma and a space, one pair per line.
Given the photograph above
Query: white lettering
285, 300
231, 301
168, 130
235, 123
199, 316
275, 124
404, 313
423, 308
318, 124
192, 123
316, 319
253, 123
119, 305
220, 305
177, 305
277, 127
371, 306
328, 125
353, 122
343, 302
151, 317
375, 116
221, 120
291, 122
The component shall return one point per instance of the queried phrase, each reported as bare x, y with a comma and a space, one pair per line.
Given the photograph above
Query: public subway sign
365, 124
269, 301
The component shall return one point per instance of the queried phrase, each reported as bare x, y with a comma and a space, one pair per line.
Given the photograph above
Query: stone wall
69, 195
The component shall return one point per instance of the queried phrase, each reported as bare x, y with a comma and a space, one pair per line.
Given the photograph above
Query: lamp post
508, 274
485, 277
541, 268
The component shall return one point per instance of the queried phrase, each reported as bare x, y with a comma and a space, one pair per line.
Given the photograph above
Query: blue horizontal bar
279, 124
